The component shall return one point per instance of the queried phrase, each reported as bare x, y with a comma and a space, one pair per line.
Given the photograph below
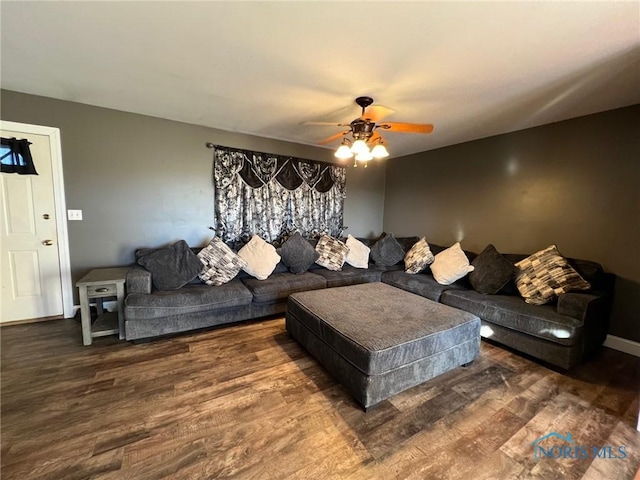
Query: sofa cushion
189, 299
418, 257
358, 255
332, 252
387, 251
297, 253
421, 284
514, 313
407, 242
349, 276
280, 285
491, 271
592, 272
450, 265
221, 264
173, 267
138, 280
260, 256
545, 275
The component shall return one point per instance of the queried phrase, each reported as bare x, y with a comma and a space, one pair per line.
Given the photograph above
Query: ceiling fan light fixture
365, 141
359, 146
364, 156
343, 151
379, 151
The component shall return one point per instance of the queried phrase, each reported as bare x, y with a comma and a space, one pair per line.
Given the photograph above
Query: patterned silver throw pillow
221, 264
545, 275
418, 257
332, 253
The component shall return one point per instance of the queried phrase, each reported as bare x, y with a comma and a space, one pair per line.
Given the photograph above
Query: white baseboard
623, 345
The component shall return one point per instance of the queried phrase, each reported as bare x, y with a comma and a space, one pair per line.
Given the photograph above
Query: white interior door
30, 261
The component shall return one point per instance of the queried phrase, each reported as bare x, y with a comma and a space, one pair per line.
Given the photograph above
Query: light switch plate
74, 214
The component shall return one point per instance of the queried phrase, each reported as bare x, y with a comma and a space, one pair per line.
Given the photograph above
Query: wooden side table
100, 283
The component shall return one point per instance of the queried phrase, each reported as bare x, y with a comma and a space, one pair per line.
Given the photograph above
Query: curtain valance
273, 195
257, 169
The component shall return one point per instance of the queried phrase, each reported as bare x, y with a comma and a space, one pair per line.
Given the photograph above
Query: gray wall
145, 181
572, 183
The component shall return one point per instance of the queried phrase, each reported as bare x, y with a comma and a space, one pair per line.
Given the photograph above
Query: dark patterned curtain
273, 196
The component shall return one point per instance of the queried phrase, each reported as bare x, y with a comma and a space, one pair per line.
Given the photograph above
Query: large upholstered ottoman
378, 340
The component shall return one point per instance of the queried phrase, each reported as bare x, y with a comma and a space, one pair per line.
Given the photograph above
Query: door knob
48, 243
46, 216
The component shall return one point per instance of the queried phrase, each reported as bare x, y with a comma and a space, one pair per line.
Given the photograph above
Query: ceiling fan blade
332, 124
334, 137
375, 113
407, 127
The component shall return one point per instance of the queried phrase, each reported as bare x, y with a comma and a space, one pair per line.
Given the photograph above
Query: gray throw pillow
172, 267
297, 253
491, 271
387, 251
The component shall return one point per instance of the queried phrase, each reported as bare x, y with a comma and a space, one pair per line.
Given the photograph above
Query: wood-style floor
246, 401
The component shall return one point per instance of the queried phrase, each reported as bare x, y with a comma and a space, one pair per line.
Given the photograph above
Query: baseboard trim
623, 345
31, 320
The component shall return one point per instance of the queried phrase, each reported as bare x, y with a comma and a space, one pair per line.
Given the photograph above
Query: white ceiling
473, 69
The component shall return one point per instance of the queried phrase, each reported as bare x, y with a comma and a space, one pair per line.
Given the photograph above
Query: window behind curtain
15, 156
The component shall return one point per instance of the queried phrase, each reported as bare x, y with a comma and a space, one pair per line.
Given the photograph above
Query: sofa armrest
593, 310
138, 280
575, 305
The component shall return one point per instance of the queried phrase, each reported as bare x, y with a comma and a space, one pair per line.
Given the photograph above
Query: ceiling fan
364, 131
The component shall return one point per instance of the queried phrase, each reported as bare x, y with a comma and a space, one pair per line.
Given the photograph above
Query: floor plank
246, 401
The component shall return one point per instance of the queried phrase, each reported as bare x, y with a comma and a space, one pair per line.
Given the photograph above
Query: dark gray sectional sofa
151, 313
562, 333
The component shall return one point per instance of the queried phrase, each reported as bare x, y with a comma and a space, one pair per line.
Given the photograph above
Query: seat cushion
349, 276
512, 312
188, 299
280, 285
378, 328
422, 284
